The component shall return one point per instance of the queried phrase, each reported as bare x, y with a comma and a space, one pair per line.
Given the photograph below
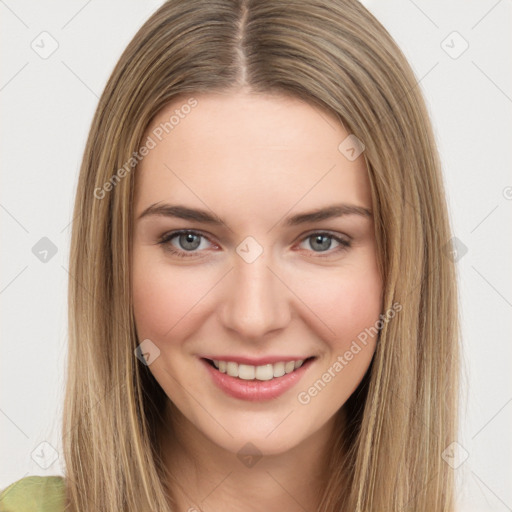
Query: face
254, 267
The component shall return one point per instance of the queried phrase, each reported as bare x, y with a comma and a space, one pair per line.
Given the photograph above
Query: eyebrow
198, 215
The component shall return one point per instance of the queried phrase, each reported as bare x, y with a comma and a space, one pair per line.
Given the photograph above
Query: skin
252, 160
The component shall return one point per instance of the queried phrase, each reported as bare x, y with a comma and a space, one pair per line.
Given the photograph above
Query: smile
256, 382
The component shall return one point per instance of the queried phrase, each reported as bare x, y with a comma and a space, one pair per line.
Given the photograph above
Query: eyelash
166, 238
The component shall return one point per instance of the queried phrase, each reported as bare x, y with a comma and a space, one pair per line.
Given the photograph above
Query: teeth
264, 372
246, 371
289, 366
278, 369
232, 369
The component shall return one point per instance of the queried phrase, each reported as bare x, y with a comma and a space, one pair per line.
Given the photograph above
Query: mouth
263, 372
256, 383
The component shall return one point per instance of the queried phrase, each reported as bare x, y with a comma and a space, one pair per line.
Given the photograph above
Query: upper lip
257, 361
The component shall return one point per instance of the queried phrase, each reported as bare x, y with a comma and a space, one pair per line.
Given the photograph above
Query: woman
263, 312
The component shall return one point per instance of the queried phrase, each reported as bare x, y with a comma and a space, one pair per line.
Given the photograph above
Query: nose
255, 301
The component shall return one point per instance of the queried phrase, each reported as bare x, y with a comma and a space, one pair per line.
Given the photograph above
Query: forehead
253, 149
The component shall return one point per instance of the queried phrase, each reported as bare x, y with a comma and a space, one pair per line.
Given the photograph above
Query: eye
322, 242
184, 243
187, 243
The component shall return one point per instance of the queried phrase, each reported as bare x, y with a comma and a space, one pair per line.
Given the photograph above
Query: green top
34, 494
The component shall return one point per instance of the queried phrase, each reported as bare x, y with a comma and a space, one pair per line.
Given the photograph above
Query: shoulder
34, 494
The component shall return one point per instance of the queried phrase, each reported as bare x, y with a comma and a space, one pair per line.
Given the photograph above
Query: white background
47, 106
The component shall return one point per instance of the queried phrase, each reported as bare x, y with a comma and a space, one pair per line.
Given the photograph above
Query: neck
204, 476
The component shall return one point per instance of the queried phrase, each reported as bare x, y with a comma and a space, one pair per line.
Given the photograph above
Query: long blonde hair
335, 54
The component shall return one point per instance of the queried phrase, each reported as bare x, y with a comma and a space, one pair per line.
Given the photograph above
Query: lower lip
256, 390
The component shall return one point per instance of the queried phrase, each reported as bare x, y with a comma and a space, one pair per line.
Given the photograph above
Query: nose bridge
255, 302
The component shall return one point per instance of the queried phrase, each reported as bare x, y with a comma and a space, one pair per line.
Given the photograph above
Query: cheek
355, 305
350, 306
344, 303
164, 300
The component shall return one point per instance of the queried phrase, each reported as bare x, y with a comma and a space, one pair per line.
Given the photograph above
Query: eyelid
333, 234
